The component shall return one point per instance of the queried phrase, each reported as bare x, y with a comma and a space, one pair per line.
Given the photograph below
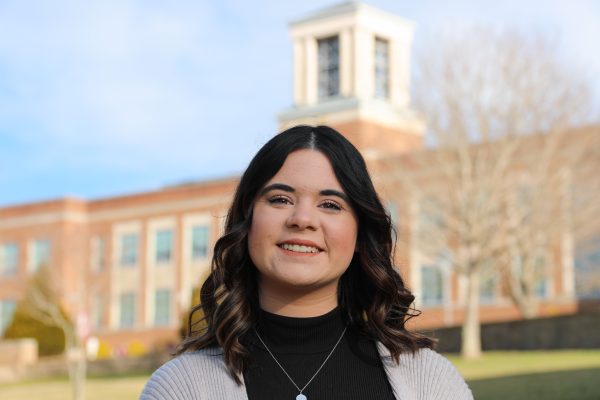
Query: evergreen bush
51, 339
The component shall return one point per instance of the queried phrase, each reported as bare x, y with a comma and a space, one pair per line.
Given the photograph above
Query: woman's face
303, 232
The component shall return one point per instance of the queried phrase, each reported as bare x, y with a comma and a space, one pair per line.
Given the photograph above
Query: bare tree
500, 109
42, 302
550, 200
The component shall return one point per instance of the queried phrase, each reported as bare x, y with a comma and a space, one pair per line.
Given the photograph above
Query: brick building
127, 265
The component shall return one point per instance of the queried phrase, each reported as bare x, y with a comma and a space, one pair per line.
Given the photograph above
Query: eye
331, 205
279, 199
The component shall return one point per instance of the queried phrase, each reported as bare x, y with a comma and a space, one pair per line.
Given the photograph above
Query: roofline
82, 201
346, 8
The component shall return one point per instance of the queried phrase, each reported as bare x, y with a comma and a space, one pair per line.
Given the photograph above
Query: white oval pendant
301, 397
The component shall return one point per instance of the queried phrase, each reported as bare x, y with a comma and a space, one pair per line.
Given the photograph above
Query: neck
299, 305
287, 334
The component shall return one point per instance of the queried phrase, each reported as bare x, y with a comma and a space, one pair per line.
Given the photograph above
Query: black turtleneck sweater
354, 370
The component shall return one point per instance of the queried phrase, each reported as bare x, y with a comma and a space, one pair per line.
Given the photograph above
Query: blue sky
108, 97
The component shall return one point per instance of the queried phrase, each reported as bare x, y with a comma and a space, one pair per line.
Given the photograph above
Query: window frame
328, 67
428, 301
130, 321
381, 68
163, 314
5, 320
97, 253
128, 253
164, 256
205, 254
37, 261
9, 270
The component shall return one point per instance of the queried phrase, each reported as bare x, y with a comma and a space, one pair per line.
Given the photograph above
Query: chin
307, 283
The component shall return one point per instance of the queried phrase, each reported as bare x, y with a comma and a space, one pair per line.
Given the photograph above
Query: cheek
254, 239
259, 228
260, 234
251, 243
345, 239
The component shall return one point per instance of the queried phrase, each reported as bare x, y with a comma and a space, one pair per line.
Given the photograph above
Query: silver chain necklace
301, 396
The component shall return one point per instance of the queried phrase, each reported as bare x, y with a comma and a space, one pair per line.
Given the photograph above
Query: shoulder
190, 376
427, 375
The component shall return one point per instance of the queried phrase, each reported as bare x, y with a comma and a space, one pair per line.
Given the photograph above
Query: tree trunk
80, 376
522, 293
76, 364
77, 372
471, 332
528, 306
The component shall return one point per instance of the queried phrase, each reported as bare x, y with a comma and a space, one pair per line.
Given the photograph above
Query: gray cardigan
202, 375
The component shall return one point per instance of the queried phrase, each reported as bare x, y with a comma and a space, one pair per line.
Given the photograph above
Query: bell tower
352, 72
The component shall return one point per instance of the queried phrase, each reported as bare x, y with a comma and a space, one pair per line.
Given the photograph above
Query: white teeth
299, 248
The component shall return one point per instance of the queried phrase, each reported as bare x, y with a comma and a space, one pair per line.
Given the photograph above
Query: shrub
51, 339
104, 350
136, 349
198, 323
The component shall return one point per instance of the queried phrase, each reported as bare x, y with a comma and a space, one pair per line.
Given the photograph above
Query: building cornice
350, 7
341, 109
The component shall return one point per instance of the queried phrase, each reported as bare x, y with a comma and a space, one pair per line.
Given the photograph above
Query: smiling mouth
299, 248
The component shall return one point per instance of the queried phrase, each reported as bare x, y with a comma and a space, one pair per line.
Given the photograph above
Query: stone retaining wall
577, 331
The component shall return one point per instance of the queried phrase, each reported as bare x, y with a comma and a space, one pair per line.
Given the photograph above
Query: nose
303, 216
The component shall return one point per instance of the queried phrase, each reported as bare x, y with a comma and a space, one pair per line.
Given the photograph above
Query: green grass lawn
581, 384
548, 375
113, 388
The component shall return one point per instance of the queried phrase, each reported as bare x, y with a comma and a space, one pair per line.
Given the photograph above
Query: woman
303, 301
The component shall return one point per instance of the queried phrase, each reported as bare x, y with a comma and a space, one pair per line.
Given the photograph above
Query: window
432, 285
587, 268
539, 269
40, 254
431, 216
489, 282
524, 202
329, 67
9, 259
129, 249
164, 246
97, 311
7, 310
97, 247
382, 68
487, 293
392, 209
199, 242
541, 282
127, 310
541, 288
162, 307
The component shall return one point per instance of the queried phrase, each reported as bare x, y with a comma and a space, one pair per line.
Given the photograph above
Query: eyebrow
289, 189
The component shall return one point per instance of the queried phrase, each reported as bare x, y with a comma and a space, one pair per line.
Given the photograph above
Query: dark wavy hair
371, 293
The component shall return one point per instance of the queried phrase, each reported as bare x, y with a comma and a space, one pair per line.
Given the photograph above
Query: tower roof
348, 7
